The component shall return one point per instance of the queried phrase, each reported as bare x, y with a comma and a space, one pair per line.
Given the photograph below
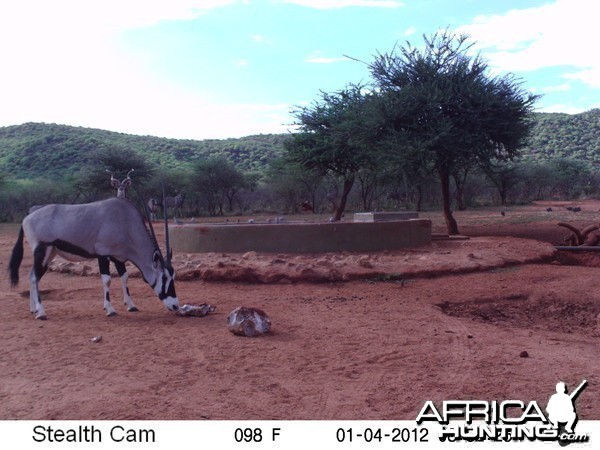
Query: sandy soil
354, 336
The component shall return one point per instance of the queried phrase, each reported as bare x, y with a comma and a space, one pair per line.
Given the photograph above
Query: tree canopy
336, 138
444, 111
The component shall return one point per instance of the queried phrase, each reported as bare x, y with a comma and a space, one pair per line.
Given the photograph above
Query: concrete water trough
301, 237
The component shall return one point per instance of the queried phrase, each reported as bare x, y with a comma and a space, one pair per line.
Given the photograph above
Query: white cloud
95, 15
558, 88
258, 38
318, 58
591, 77
410, 31
335, 4
562, 108
561, 33
323, 60
63, 64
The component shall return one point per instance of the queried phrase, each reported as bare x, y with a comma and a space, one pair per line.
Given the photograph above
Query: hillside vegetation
39, 150
566, 136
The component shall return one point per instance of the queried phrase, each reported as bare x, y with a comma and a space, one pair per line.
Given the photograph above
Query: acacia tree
218, 182
446, 112
93, 181
293, 184
336, 138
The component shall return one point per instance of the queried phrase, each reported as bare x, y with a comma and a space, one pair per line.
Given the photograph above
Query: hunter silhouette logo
508, 420
561, 410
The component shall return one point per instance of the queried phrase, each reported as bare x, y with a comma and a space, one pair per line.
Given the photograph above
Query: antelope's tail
15, 260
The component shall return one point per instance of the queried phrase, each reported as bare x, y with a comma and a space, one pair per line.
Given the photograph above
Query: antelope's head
121, 186
164, 285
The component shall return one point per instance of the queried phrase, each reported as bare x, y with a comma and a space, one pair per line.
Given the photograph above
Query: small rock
524, 354
96, 339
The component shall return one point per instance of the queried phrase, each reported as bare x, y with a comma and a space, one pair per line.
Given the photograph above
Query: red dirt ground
353, 336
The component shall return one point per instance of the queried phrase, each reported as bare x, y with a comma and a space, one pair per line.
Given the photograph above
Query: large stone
250, 322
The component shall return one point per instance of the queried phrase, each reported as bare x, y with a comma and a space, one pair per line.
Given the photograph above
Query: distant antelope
121, 186
153, 206
110, 229
175, 202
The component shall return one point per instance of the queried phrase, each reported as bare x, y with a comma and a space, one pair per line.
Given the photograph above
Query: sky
203, 69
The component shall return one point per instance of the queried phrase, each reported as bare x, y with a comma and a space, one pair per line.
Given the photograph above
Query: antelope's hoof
41, 317
133, 309
112, 313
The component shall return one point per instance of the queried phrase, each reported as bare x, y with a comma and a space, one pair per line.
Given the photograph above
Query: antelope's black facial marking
167, 287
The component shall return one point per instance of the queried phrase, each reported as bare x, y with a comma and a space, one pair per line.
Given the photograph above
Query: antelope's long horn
152, 233
130, 172
165, 213
113, 181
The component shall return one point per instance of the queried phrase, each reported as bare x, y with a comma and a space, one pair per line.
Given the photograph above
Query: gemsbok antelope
111, 228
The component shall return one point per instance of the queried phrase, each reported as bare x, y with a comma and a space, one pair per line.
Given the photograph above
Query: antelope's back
84, 225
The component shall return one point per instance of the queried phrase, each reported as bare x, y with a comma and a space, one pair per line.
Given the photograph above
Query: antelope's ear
114, 183
126, 182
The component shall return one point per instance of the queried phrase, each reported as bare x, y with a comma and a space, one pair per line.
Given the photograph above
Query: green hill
565, 135
44, 150
34, 150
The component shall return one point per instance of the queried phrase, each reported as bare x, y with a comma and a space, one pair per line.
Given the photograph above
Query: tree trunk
460, 193
419, 197
503, 191
341, 206
451, 224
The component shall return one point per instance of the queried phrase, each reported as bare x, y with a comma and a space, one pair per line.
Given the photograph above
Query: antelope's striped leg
122, 271
42, 255
103, 264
